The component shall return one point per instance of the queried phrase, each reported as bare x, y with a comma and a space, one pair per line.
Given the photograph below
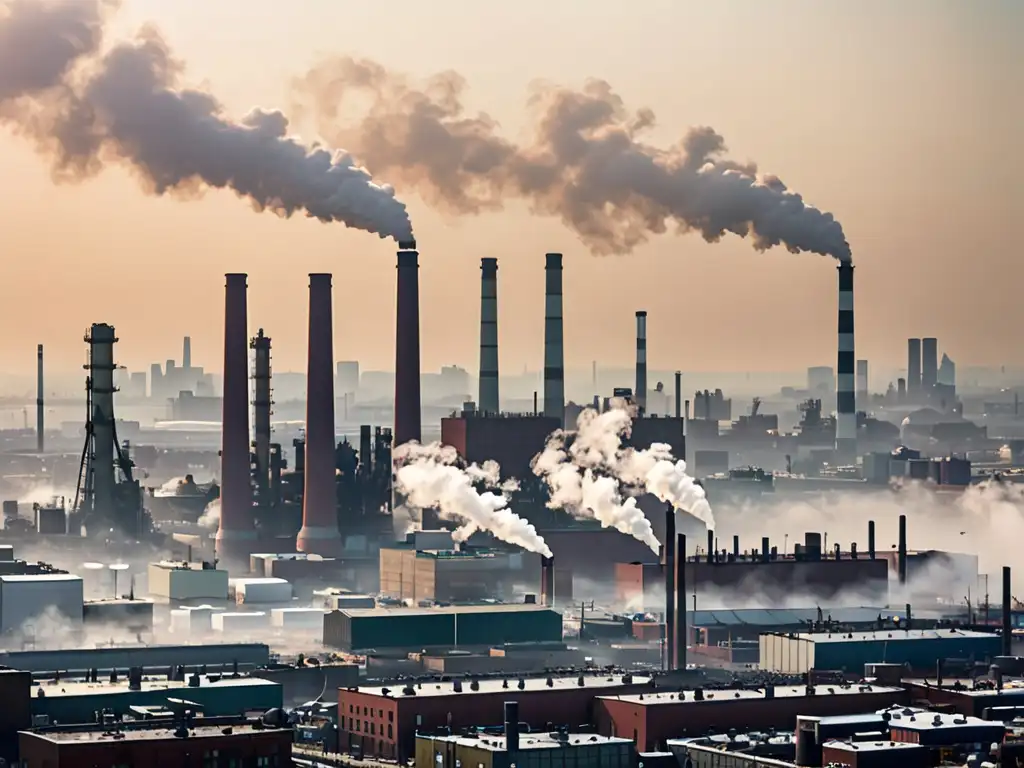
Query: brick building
383, 721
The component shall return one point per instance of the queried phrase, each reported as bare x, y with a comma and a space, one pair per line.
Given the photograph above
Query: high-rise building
929, 364
913, 367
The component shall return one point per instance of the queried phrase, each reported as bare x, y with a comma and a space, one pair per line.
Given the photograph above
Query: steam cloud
83, 107
586, 164
585, 471
429, 478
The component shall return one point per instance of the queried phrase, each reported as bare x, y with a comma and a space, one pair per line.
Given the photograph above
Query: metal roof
45, 577
445, 610
82, 688
893, 635
731, 694
150, 734
496, 743
509, 686
784, 617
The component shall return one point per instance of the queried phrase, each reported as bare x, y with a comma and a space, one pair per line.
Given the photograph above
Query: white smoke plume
586, 164
170, 488
83, 106
428, 477
587, 472
210, 519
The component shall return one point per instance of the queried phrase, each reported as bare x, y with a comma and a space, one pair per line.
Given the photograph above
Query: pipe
913, 366
488, 399
670, 585
319, 533
901, 554
407, 347
40, 404
547, 581
846, 395
711, 546
679, 632
640, 392
236, 533
554, 349
871, 539
1007, 612
679, 394
261, 411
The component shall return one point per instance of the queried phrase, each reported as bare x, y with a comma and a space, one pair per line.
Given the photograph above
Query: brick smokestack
236, 533
488, 400
846, 392
640, 395
554, 349
319, 534
407, 347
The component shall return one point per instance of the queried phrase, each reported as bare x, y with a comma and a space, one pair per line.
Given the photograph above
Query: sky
896, 117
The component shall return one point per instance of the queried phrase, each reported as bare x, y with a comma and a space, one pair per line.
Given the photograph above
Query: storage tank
310, 619
261, 590
240, 622
29, 600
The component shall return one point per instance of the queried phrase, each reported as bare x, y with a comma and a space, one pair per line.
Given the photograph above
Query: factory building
177, 582
651, 719
512, 440
418, 628
126, 614
447, 576
384, 721
24, 599
529, 750
916, 648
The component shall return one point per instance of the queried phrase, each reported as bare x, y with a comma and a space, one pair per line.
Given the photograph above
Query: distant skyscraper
947, 372
821, 379
929, 364
347, 379
913, 366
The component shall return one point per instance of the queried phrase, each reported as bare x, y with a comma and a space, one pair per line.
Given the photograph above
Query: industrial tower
262, 404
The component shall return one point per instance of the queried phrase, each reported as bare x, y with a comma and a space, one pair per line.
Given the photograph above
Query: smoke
586, 162
428, 477
210, 519
170, 488
587, 472
84, 107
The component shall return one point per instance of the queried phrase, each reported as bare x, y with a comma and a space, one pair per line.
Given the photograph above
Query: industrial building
229, 656
177, 582
384, 721
916, 648
528, 750
464, 626
448, 575
129, 614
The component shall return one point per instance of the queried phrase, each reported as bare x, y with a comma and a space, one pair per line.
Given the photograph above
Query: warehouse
56, 598
653, 718
383, 721
917, 649
418, 628
245, 655
447, 576
183, 581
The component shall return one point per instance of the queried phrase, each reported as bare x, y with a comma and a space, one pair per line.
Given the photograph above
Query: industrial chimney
236, 532
901, 552
669, 565
547, 581
261, 411
640, 393
679, 633
913, 367
488, 400
679, 394
319, 534
846, 396
186, 353
554, 350
929, 365
1007, 611
40, 404
407, 346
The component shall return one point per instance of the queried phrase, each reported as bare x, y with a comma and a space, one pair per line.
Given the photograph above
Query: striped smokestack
554, 351
640, 394
236, 533
488, 400
407, 346
846, 395
319, 533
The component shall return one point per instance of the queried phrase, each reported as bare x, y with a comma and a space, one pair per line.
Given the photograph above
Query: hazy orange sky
896, 116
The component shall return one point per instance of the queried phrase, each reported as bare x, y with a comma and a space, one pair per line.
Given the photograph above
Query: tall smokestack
871, 539
186, 353
319, 533
40, 402
901, 554
236, 533
913, 366
640, 394
679, 394
862, 381
670, 586
261, 410
1007, 612
679, 633
929, 365
407, 346
554, 350
846, 396
488, 400
547, 581
512, 727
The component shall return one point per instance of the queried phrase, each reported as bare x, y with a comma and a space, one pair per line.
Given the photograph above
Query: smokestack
679, 394
670, 586
547, 581
640, 392
488, 400
365, 451
1007, 612
711, 546
261, 405
554, 350
846, 396
862, 381
765, 549
871, 539
913, 366
236, 532
736, 547
186, 353
319, 534
901, 554
929, 364
40, 404
679, 633
511, 727
407, 347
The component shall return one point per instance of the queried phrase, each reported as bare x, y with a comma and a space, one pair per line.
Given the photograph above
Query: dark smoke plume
83, 108
586, 163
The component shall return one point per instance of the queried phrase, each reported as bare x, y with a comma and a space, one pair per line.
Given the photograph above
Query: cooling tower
929, 364
846, 395
319, 534
913, 366
488, 400
40, 402
554, 350
236, 532
640, 392
407, 347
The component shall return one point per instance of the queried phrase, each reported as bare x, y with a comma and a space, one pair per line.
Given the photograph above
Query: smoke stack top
407, 245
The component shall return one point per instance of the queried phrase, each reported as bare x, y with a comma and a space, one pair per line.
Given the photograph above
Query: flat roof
46, 577
932, 721
446, 610
891, 635
104, 687
508, 685
246, 581
871, 746
732, 694
150, 734
780, 617
1014, 687
496, 743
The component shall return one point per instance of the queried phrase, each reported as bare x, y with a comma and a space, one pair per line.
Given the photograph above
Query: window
373, 729
210, 759
263, 762
380, 713
357, 725
391, 715
390, 734
366, 726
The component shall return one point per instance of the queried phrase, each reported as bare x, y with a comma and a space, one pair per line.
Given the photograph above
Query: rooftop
452, 609
503, 686
44, 577
965, 686
871, 746
104, 687
152, 734
931, 721
496, 743
781, 617
892, 635
732, 694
